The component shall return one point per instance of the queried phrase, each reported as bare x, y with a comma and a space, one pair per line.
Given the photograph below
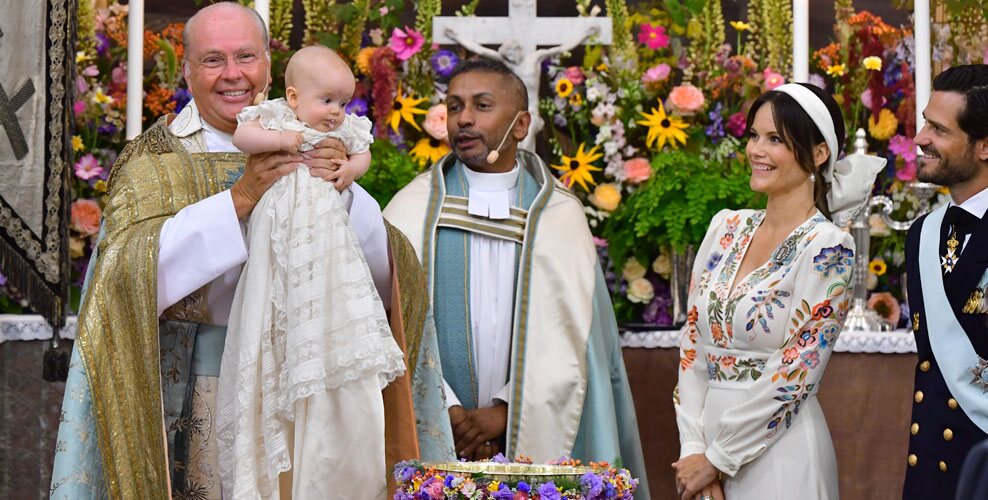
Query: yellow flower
602, 67
428, 151
81, 56
101, 98
77, 144
664, 128
873, 63
740, 25
100, 186
877, 267
836, 70
606, 197
564, 87
364, 58
578, 168
575, 100
405, 108
885, 127
494, 486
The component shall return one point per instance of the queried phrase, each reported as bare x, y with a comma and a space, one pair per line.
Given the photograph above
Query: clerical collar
491, 194
976, 205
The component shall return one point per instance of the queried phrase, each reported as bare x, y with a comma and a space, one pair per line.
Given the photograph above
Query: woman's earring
812, 178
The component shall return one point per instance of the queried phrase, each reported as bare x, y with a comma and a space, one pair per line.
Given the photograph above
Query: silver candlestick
860, 317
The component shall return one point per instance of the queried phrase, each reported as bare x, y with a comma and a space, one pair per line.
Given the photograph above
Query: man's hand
320, 160
693, 474
478, 429
261, 171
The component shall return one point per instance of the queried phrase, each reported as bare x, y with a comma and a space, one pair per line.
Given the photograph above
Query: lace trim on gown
355, 131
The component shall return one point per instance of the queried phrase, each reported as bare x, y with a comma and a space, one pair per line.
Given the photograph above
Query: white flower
871, 281
662, 266
632, 269
640, 291
878, 226
611, 148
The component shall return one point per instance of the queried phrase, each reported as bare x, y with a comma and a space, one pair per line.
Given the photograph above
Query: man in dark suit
946, 261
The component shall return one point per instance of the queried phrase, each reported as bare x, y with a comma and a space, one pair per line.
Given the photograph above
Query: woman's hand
693, 473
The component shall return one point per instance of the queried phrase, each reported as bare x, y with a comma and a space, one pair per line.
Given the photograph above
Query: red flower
822, 310
654, 37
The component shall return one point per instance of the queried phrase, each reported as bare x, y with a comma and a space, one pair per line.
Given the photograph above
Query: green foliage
391, 169
681, 10
468, 8
675, 205
706, 34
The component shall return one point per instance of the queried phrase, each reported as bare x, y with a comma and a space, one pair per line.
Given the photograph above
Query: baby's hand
344, 175
291, 141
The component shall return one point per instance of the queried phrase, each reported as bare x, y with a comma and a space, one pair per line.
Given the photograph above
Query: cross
519, 36
8, 119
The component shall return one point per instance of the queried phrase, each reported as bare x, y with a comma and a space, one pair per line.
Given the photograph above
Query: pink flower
383, 10
907, 173
79, 107
686, 99
867, 100
656, 73
435, 122
654, 37
90, 70
434, 489
736, 124
119, 75
81, 87
885, 304
637, 170
903, 147
406, 43
87, 167
772, 79
85, 216
574, 74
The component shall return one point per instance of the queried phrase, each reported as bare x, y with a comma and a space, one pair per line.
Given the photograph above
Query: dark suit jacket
941, 434
974, 477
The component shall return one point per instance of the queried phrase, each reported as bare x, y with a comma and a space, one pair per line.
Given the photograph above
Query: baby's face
322, 100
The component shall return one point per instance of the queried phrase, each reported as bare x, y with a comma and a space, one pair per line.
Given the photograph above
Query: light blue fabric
451, 292
435, 432
609, 428
208, 350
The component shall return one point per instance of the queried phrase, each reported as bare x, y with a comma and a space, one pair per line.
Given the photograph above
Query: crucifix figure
519, 35
8, 118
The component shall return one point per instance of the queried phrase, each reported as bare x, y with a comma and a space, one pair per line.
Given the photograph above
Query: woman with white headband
769, 292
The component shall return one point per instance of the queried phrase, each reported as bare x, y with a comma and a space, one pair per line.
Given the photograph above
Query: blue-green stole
451, 296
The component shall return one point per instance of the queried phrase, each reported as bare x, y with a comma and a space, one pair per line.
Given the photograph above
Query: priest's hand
260, 172
323, 160
480, 428
693, 473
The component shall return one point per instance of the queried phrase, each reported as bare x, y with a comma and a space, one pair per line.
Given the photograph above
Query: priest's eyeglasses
214, 63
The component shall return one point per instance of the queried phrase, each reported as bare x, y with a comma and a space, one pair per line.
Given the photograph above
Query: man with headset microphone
528, 342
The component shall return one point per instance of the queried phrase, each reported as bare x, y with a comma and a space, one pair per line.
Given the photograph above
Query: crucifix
519, 36
8, 118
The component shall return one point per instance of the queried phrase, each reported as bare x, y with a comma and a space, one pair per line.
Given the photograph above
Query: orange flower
159, 101
790, 355
692, 316
717, 331
85, 217
728, 361
173, 33
150, 44
687, 359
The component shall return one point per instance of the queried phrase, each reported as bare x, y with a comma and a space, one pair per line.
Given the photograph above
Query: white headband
851, 178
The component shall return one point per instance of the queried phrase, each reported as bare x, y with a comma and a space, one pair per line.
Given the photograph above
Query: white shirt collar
491, 195
190, 122
977, 204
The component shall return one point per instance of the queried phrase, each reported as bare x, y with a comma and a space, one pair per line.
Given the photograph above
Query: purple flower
503, 493
548, 491
405, 473
522, 485
102, 43
500, 459
443, 62
713, 261
181, 98
591, 484
107, 128
817, 80
3, 280
357, 107
716, 128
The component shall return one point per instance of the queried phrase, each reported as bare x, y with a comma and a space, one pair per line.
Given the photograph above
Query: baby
319, 84
308, 348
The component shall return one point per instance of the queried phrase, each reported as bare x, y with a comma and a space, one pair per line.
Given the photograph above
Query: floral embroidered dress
751, 358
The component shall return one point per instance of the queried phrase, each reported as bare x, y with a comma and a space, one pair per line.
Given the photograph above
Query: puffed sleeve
691, 390
358, 137
819, 302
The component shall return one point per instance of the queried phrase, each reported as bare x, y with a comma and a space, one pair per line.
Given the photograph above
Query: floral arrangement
500, 479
